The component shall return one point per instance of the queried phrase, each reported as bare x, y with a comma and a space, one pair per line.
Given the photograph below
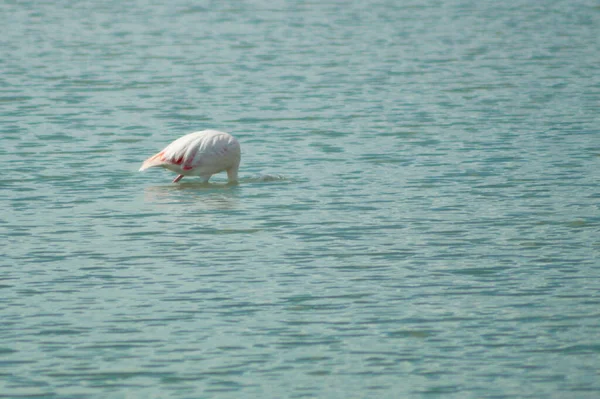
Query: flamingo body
201, 154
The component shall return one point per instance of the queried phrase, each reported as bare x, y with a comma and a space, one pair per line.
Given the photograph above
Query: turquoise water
418, 214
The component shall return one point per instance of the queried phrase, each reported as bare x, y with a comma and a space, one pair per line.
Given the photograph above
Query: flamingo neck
232, 175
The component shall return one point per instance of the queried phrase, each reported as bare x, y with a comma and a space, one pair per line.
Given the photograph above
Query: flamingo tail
153, 161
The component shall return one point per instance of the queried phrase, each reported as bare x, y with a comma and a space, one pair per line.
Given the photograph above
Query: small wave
263, 178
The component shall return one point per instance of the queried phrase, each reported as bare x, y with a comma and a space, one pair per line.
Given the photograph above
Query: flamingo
201, 154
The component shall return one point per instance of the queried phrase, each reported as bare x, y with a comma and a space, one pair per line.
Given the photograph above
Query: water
417, 217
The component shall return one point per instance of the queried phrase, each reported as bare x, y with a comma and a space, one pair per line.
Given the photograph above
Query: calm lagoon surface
417, 217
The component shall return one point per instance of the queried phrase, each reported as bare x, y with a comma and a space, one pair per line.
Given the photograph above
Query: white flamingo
200, 154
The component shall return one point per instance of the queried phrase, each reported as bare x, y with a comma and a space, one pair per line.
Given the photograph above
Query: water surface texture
418, 214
